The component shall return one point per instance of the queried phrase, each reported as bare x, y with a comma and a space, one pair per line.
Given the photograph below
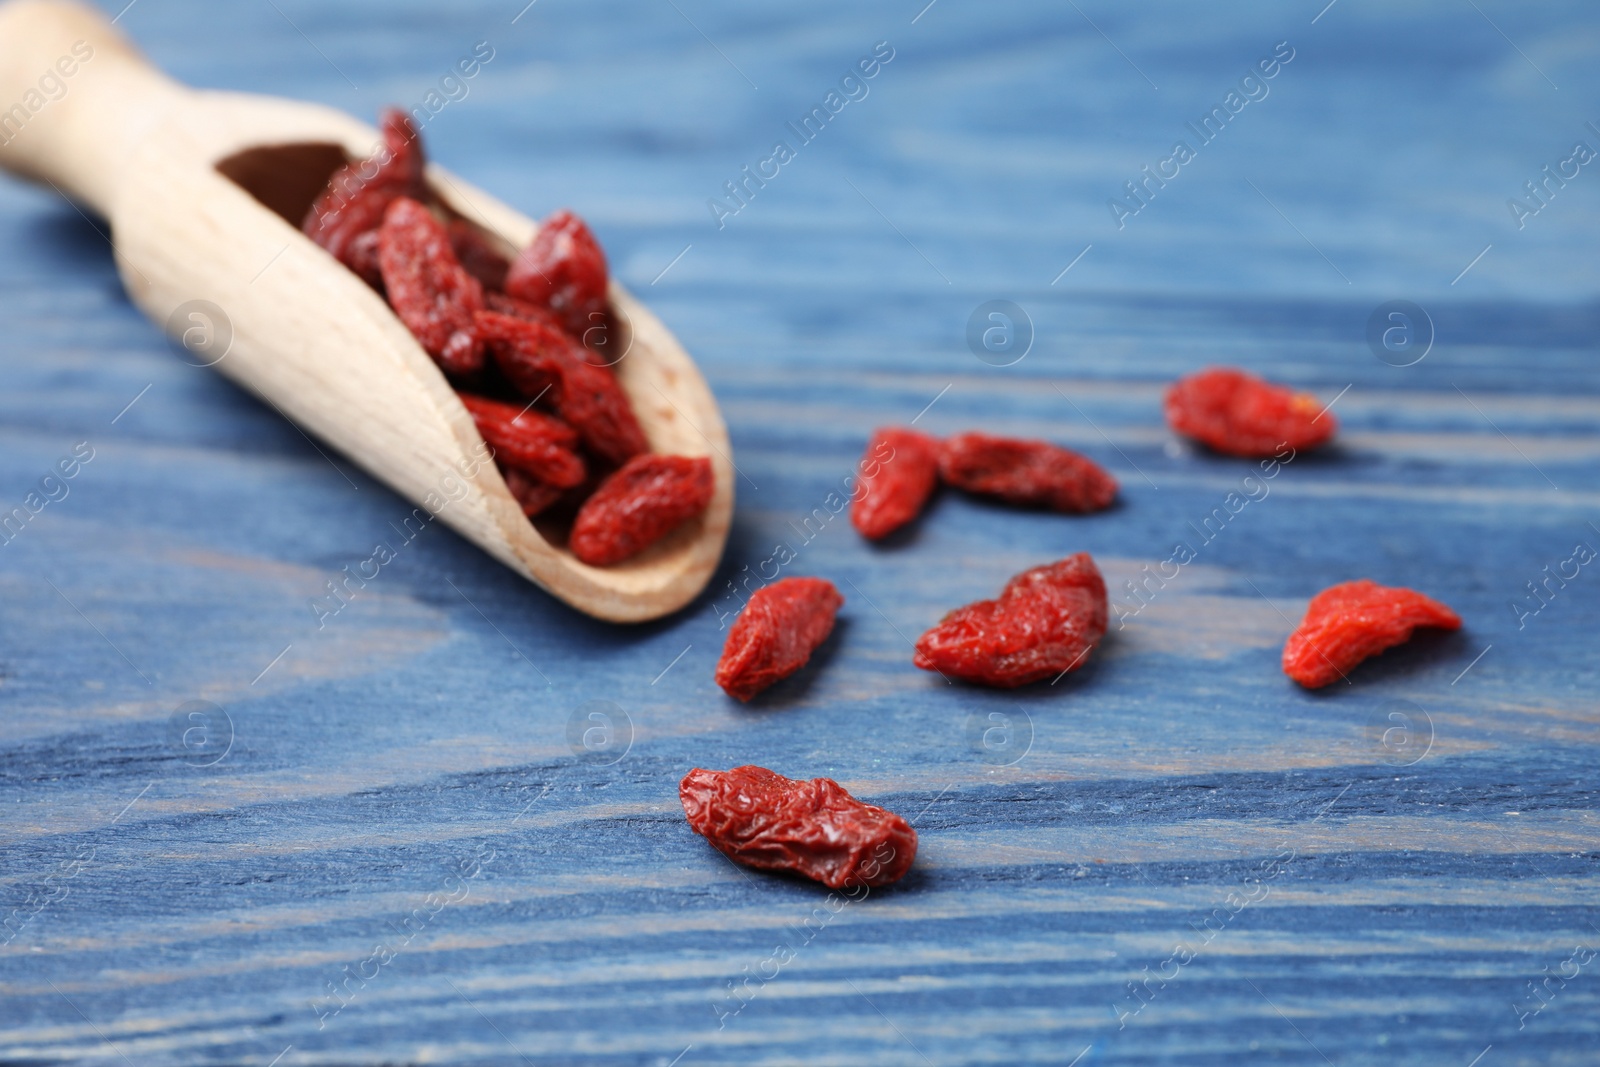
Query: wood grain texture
400, 784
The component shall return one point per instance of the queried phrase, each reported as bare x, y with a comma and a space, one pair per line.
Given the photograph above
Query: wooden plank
398, 800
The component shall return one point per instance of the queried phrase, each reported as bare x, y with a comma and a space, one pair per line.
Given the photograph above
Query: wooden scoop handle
75, 98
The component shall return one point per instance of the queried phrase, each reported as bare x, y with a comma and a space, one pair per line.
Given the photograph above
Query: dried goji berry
593, 348
1351, 621
776, 633
1238, 414
811, 828
606, 340
638, 505
530, 352
358, 194
502, 304
563, 269
898, 473
534, 443
532, 495
1030, 473
478, 257
1045, 622
536, 357
428, 289
361, 256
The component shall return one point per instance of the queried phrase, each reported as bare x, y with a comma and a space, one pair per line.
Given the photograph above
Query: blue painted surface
1393, 893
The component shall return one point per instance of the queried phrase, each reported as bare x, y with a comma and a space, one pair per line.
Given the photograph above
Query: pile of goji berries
522, 341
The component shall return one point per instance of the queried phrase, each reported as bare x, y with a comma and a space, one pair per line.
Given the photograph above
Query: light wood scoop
205, 192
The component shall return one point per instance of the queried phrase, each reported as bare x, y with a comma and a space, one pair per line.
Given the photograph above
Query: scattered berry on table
899, 472
811, 828
1044, 623
1352, 621
776, 633
1029, 473
1239, 414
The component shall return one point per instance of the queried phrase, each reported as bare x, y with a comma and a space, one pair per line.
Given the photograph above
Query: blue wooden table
230, 836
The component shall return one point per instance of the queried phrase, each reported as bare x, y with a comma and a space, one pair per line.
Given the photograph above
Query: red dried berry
1238, 414
530, 359
1030, 473
776, 633
638, 505
478, 257
898, 474
811, 828
538, 445
1045, 622
502, 304
536, 357
1349, 622
604, 342
358, 194
361, 256
532, 495
564, 270
428, 289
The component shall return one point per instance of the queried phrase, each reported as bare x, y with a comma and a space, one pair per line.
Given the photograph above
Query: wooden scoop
205, 192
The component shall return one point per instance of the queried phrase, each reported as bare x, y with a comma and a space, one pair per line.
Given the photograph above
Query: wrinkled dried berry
564, 270
638, 505
1029, 473
538, 445
477, 255
776, 633
531, 495
361, 256
358, 194
898, 474
1045, 622
536, 357
530, 359
606, 341
811, 828
1349, 622
428, 289
1240, 415
502, 304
